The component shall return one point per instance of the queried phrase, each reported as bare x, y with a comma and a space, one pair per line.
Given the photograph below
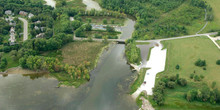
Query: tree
191, 95
89, 20
110, 29
79, 32
158, 98
213, 84
14, 54
105, 21
76, 24
88, 27
112, 21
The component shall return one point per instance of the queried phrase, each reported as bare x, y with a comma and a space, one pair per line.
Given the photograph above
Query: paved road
25, 33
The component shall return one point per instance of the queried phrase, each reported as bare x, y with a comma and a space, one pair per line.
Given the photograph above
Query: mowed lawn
214, 25
185, 52
218, 41
77, 52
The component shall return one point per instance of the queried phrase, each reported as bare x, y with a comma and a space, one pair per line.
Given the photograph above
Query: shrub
196, 78
173, 78
201, 76
191, 76
218, 62
200, 63
213, 84
105, 21
182, 82
158, 98
171, 84
177, 67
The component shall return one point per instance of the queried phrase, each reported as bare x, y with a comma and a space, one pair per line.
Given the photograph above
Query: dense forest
160, 18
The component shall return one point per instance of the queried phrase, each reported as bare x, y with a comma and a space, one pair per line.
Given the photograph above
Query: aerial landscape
109, 55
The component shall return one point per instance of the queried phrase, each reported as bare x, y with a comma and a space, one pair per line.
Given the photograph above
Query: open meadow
185, 52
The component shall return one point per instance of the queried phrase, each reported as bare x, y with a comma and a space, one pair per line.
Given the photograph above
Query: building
8, 12
23, 13
12, 35
41, 35
30, 15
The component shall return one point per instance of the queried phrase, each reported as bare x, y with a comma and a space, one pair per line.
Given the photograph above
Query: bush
105, 21
158, 98
196, 78
182, 82
191, 76
173, 78
200, 63
218, 62
171, 84
177, 67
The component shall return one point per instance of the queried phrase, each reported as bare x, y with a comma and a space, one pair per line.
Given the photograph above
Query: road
25, 31
157, 40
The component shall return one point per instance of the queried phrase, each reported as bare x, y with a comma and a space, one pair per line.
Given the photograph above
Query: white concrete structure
8, 12
51, 3
156, 64
90, 4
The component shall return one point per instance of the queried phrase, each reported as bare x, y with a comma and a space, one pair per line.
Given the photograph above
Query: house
41, 35
23, 13
9, 19
37, 22
36, 27
42, 29
30, 15
71, 19
8, 12
12, 35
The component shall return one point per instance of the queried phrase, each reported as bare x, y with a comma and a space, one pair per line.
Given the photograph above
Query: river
108, 88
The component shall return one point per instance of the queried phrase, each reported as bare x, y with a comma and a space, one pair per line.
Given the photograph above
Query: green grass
11, 62
139, 101
99, 20
185, 52
65, 79
218, 41
214, 25
77, 52
140, 79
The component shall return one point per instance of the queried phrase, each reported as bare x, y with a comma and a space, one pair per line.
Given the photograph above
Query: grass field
214, 25
99, 20
77, 52
218, 41
185, 52
11, 62
140, 79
